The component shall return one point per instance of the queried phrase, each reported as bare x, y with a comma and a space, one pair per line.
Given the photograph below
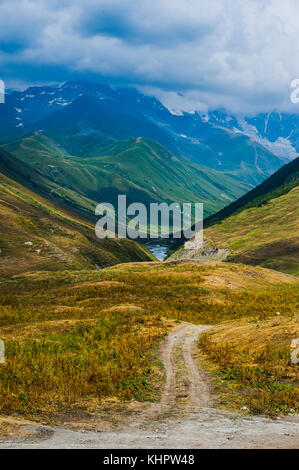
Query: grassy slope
25, 174
74, 338
267, 235
140, 168
250, 361
262, 227
36, 234
281, 182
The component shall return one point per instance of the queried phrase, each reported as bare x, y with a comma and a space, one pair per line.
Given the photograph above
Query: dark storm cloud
239, 54
141, 23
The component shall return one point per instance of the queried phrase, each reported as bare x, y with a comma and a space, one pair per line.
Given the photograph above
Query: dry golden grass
36, 235
252, 359
63, 366
266, 235
75, 336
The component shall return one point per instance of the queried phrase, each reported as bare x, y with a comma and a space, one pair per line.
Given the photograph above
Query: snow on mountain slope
251, 148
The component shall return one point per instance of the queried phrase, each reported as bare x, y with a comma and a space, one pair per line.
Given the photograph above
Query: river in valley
158, 249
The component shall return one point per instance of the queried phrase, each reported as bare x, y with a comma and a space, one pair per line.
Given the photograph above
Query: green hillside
262, 227
25, 174
36, 234
140, 168
266, 235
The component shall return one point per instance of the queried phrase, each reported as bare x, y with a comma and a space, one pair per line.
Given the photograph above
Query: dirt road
184, 417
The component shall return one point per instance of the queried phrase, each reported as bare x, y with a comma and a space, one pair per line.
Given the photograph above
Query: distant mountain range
87, 117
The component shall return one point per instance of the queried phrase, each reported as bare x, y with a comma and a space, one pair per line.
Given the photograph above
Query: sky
191, 54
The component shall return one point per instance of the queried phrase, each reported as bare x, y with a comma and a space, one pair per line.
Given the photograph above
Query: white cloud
241, 54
